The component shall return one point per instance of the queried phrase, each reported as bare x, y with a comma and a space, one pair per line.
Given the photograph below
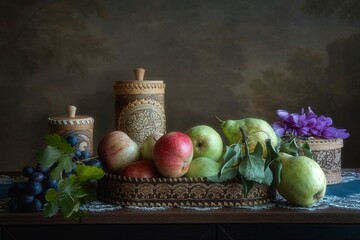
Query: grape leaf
68, 205
51, 195
51, 209
72, 186
55, 140
89, 172
64, 163
48, 156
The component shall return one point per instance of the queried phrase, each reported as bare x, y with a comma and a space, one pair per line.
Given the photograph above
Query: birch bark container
72, 124
140, 107
327, 153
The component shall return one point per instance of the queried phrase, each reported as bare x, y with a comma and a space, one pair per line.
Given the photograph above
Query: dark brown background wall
231, 58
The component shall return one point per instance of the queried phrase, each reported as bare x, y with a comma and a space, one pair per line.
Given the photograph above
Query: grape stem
94, 157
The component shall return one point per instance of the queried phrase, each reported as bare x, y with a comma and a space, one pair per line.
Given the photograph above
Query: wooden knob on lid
71, 111
139, 74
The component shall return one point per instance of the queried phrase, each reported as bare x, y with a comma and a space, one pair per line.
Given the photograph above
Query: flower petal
341, 133
282, 114
303, 131
279, 128
329, 132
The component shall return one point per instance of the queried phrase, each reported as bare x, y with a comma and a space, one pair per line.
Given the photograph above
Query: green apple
206, 142
203, 167
147, 147
303, 181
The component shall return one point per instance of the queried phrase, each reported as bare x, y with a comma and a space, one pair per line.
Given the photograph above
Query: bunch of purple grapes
29, 196
82, 156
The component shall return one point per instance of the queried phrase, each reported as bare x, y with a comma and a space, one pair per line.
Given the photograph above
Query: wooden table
226, 223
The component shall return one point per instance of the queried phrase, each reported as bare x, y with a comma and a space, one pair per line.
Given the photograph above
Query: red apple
140, 169
173, 153
116, 149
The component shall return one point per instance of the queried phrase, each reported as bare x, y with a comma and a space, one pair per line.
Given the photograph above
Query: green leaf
252, 168
247, 185
48, 156
277, 170
51, 209
51, 195
268, 177
271, 153
307, 150
68, 185
64, 164
68, 205
278, 143
228, 174
57, 141
258, 151
89, 172
231, 155
56, 173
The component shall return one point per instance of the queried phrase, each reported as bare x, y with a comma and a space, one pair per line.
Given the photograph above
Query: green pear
203, 167
257, 130
303, 182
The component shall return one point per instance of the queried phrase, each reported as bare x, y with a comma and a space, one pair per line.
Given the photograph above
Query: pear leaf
228, 174
258, 151
271, 153
268, 177
307, 150
247, 185
252, 168
230, 157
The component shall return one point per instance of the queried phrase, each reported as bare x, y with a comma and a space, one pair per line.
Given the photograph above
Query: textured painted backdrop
231, 58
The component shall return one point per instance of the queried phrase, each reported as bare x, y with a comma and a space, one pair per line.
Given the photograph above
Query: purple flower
307, 125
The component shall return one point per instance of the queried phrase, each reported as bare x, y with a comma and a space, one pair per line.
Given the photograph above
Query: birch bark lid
71, 118
139, 85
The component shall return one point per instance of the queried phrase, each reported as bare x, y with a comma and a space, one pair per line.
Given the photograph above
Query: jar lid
139, 85
71, 118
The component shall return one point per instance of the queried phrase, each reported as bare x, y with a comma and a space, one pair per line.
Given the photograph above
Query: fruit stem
93, 157
220, 120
